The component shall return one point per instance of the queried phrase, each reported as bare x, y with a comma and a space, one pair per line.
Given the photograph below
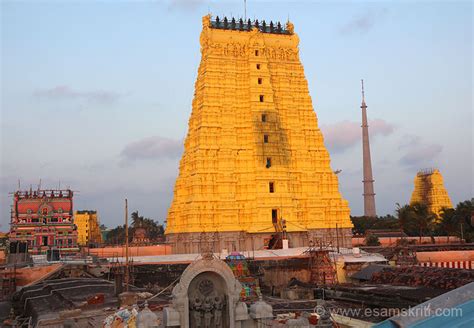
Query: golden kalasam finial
290, 27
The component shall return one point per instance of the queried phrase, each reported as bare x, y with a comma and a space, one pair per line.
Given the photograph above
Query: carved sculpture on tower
430, 190
254, 159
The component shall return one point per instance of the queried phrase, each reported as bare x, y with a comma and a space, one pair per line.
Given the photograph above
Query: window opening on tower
269, 162
274, 215
271, 187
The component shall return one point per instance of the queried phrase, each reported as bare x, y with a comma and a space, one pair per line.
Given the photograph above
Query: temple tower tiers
430, 190
369, 194
253, 153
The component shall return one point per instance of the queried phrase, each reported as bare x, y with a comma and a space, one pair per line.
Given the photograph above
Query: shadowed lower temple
254, 161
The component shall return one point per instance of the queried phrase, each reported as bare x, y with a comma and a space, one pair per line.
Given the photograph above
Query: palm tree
406, 219
449, 222
137, 221
465, 214
415, 219
424, 219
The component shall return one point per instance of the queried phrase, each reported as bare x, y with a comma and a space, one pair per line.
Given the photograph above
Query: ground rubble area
78, 302
366, 304
88, 306
94, 302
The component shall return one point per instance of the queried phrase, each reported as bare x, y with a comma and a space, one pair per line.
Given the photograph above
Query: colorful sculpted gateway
43, 221
254, 160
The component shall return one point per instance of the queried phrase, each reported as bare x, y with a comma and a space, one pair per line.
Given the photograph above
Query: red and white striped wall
469, 265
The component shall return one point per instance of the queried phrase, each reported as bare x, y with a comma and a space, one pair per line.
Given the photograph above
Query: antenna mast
126, 246
245, 10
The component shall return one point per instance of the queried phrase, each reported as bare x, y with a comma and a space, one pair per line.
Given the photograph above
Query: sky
96, 95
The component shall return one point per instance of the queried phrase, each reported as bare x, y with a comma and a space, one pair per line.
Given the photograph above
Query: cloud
408, 141
151, 148
343, 135
417, 153
363, 23
65, 92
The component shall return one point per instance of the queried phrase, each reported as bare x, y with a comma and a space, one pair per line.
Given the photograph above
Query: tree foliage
116, 235
372, 240
458, 221
363, 223
155, 231
416, 219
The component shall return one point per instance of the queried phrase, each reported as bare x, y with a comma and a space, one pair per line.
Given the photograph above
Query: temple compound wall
429, 189
254, 159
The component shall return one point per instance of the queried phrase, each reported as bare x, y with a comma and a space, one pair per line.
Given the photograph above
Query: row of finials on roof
44, 193
240, 25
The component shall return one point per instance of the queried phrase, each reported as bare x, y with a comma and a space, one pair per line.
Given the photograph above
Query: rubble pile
442, 278
134, 318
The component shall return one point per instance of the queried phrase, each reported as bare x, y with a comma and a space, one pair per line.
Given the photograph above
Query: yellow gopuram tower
88, 228
254, 161
430, 190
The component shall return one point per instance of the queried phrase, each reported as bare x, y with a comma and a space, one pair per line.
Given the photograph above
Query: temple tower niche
254, 154
430, 190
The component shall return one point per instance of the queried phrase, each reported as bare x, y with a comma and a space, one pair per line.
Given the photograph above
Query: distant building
104, 233
43, 220
88, 228
430, 190
386, 233
140, 237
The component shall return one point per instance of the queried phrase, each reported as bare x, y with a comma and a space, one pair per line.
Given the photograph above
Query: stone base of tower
197, 242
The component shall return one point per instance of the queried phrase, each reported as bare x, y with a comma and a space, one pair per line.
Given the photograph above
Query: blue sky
97, 95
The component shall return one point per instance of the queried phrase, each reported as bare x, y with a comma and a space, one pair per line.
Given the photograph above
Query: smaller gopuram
88, 228
43, 220
430, 190
140, 237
